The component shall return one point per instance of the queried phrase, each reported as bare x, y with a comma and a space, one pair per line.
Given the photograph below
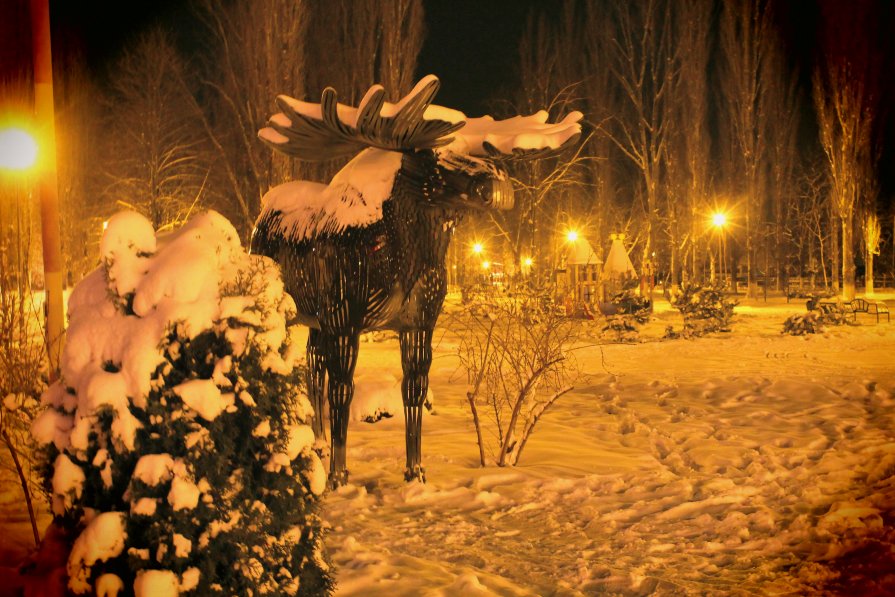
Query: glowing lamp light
572, 236
486, 265
18, 149
527, 261
719, 220
477, 248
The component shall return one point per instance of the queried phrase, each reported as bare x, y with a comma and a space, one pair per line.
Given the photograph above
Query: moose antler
330, 130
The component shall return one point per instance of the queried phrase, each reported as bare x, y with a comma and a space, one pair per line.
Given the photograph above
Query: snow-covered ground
741, 463
744, 463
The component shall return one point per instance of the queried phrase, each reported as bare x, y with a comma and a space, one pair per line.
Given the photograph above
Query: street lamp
18, 149
572, 236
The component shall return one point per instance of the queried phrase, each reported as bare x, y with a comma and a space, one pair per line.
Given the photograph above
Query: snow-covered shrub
518, 364
620, 328
813, 322
802, 324
181, 452
705, 309
628, 302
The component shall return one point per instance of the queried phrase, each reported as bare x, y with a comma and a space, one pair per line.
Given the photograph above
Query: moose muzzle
495, 193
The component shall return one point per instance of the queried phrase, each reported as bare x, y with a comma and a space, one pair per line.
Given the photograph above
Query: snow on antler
329, 129
523, 136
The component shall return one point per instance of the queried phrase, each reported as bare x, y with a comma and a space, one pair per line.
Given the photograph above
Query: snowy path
741, 465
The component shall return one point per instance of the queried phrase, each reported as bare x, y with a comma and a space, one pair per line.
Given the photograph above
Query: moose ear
329, 129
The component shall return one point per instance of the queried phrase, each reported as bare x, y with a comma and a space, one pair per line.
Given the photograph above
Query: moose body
367, 251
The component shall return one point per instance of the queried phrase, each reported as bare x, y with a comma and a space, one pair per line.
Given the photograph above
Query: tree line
696, 107
692, 107
171, 127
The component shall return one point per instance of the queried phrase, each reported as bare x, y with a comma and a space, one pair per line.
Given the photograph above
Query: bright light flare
477, 248
486, 265
572, 236
527, 261
719, 220
18, 149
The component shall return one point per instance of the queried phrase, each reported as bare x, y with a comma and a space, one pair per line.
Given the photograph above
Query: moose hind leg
416, 358
340, 353
316, 380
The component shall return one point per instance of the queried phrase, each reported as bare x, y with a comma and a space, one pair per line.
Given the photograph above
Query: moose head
367, 251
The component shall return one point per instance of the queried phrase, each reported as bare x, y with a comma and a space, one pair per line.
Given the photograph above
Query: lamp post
719, 221
49, 201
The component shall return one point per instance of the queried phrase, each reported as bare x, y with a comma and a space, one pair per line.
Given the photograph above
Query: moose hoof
417, 473
338, 479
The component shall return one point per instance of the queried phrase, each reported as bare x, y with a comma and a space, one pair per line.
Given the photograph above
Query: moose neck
422, 229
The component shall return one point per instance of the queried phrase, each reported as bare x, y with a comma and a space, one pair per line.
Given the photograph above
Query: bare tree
154, 161
78, 141
808, 224
295, 47
518, 364
872, 235
690, 174
746, 39
781, 128
846, 101
645, 68
258, 52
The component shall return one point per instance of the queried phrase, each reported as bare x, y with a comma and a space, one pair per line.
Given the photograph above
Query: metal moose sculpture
367, 251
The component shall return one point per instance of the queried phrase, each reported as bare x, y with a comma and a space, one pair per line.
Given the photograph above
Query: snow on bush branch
178, 442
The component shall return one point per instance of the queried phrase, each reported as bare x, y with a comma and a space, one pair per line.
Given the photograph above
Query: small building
583, 273
618, 269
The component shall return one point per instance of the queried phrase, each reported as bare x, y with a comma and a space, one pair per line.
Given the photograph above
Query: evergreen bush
705, 309
178, 438
813, 322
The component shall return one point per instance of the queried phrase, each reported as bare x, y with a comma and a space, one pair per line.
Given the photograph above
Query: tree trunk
868, 273
848, 258
834, 256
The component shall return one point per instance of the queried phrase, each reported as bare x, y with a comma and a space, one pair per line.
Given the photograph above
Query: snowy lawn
741, 463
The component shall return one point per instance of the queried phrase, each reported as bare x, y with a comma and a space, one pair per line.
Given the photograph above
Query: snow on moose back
367, 251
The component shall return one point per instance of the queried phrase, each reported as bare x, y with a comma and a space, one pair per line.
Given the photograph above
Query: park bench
860, 305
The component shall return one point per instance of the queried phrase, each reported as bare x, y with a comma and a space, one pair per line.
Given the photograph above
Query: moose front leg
316, 378
340, 354
416, 358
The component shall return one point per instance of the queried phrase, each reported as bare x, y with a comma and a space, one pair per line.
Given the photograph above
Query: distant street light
477, 248
18, 149
486, 265
527, 261
572, 236
719, 220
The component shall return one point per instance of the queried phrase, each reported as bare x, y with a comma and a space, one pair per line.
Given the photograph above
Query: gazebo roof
618, 264
582, 253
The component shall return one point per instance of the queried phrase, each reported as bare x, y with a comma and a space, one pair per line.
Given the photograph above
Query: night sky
470, 44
